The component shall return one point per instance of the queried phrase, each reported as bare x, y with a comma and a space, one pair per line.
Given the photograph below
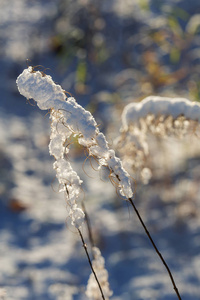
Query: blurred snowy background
107, 54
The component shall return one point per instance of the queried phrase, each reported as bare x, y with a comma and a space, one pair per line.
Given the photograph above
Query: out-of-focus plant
160, 116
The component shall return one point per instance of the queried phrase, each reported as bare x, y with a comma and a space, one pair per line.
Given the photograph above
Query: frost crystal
69, 119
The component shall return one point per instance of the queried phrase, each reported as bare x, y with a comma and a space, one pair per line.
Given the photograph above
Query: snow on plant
160, 116
92, 290
69, 119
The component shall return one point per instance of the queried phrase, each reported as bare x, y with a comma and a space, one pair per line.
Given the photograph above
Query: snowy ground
41, 257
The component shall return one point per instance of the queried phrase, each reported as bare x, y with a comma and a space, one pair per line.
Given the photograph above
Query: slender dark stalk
87, 219
89, 260
156, 249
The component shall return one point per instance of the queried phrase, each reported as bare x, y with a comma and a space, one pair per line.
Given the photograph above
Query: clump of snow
33, 85
92, 291
158, 106
160, 116
77, 216
70, 119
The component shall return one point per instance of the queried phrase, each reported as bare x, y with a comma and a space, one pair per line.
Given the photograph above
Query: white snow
72, 115
41, 257
159, 106
92, 290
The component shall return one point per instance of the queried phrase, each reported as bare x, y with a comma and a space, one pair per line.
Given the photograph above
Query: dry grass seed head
67, 93
90, 157
53, 180
61, 121
65, 110
48, 112
83, 165
96, 160
70, 140
100, 170
112, 178
29, 102
37, 68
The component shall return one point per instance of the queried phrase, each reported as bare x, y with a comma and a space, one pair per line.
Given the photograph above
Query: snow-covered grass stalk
69, 119
160, 116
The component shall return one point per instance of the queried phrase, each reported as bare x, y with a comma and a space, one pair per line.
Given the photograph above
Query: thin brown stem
90, 262
156, 249
87, 219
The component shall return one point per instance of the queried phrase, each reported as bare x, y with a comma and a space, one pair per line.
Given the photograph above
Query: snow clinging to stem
68, 118
158, 106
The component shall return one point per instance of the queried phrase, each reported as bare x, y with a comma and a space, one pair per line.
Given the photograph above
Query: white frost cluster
160, 116
69, 119
92, 291
159, 106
